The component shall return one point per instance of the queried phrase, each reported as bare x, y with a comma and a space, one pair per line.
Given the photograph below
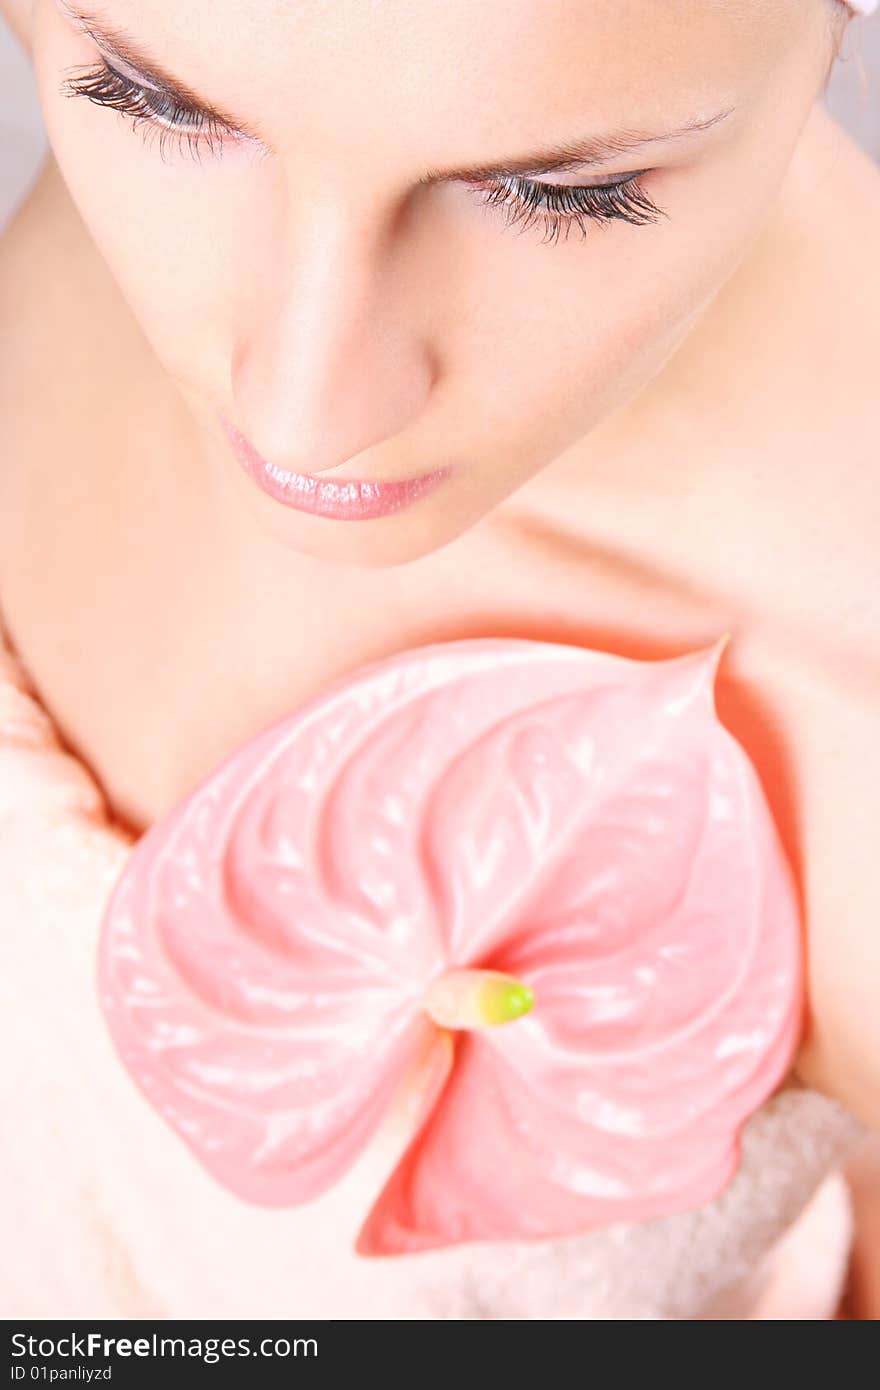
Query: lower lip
343, 499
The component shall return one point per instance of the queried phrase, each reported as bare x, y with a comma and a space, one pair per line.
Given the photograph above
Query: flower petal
663, 952
579, 821
263, 1017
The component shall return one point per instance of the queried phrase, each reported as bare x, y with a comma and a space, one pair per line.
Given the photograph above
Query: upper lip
335, 475
336, 472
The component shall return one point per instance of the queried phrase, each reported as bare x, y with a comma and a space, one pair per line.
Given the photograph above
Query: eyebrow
577, 154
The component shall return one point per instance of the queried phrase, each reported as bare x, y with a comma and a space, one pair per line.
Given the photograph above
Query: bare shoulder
809, 674
837, 187
831, 726
831, 706
821, 350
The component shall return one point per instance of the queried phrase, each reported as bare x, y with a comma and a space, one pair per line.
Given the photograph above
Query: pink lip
344, 499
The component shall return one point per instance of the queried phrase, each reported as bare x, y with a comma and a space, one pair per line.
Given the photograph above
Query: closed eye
561, 207
158, 112
558, 208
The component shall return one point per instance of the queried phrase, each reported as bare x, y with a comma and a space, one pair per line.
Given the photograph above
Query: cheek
583, 335
595, 320
168, 261
151, 221
172, 281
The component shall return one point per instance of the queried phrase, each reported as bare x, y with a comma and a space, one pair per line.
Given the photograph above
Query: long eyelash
158, 114
559, 207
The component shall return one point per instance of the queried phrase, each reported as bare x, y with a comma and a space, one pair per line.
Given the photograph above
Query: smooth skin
659, 433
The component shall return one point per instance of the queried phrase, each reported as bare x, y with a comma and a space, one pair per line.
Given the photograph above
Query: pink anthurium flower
553, 866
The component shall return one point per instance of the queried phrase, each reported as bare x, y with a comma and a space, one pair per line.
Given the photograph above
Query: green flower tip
505, 1000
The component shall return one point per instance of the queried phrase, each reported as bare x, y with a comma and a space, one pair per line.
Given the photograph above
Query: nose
330, 362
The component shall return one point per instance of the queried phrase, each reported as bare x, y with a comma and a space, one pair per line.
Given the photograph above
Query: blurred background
854, 97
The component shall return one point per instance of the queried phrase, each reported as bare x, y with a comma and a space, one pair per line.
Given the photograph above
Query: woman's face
322, 261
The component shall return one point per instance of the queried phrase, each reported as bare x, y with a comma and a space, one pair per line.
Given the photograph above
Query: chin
381, 544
